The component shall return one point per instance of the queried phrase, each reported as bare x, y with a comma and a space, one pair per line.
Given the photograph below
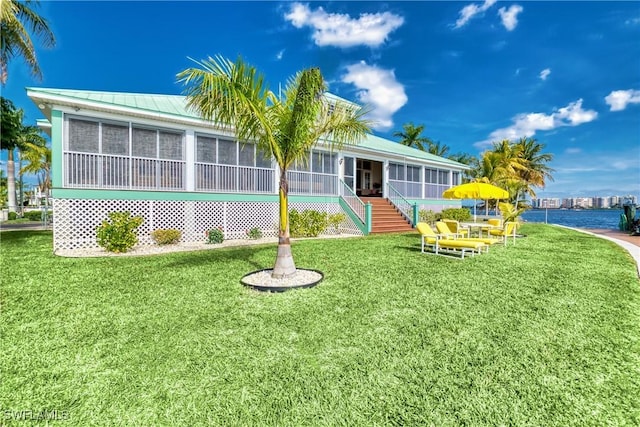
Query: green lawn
545, 332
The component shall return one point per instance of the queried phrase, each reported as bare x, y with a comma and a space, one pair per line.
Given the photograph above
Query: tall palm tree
18, 21
438, 149
10, 140
535, 172
411, 136
235, 94
15, 135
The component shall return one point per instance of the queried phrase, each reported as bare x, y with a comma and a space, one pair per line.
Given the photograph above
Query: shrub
119, 234
12, 216
168, 236
34, 215
335, 220
430, 217
308, 223
457, 214
254, 233
215, 236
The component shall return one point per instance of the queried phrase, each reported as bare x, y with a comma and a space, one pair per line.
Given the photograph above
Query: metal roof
175, 106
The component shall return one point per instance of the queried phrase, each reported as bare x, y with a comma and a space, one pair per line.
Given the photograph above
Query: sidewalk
7, 226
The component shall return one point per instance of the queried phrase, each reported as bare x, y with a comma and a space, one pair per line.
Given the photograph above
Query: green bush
335, 220
457, 214
119, 234
215, 236
308, 223
12, 216
254, 233
34, 215
430, 217
166, 236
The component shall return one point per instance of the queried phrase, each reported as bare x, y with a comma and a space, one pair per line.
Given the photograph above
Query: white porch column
385, 179
190, 160
422, 182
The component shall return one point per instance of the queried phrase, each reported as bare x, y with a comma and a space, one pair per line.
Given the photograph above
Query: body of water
584, 218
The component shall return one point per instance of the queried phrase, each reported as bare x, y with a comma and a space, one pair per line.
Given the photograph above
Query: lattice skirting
76, 219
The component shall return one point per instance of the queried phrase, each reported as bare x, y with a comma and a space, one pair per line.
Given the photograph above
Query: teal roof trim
175, 105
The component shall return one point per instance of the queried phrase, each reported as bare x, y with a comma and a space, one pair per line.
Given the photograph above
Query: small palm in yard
235, 94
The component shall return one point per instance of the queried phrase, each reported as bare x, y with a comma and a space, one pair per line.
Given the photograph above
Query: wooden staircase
385, 217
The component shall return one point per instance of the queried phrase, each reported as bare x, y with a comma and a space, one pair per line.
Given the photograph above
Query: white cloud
379, 89
619, 99
573, 150
527, 124
334, 29
280, 54
471, 10
545, 73
510, 16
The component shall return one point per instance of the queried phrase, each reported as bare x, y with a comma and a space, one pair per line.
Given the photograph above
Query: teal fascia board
56, 148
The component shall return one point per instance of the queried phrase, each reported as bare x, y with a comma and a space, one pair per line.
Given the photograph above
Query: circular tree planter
261, 280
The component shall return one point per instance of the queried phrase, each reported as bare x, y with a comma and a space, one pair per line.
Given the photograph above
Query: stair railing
355, 208
406, 208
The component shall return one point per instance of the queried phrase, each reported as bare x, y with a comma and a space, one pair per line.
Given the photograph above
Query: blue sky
565, 73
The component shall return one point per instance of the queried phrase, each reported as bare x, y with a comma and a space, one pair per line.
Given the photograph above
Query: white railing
402, 204
241, 179
312, 183
84, 170
351, 199
407, 188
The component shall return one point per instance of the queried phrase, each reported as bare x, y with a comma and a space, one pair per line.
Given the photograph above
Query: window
443, 177
101, 154
227, 154
396, 172
413, 173
205, 149
455, 178
84, 136
144, 143
115, 139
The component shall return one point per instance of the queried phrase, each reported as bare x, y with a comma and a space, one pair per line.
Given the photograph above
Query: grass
541, 333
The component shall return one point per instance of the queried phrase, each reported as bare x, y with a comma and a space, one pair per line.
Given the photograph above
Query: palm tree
15, 135
438, 149
536, 171
235, 94
411, 136
38, 158
17, 21
10, 131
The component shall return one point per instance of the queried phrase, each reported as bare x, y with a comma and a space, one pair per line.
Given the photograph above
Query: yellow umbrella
476, 190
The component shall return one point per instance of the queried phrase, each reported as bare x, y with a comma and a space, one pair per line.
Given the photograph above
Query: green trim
368, 217
80, 193
56, 148
356, 220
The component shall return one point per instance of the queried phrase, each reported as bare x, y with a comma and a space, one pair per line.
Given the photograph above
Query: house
149, 155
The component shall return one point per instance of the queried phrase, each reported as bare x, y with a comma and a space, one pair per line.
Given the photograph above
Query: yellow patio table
479, 227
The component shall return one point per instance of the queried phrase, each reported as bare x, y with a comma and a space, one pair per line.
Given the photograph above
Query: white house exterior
149, 155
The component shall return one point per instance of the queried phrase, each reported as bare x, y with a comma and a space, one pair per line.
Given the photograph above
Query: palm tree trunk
284, 267
11, 181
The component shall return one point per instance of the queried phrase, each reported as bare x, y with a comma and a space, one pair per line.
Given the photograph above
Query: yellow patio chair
430, 238
454, 227
509, 229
